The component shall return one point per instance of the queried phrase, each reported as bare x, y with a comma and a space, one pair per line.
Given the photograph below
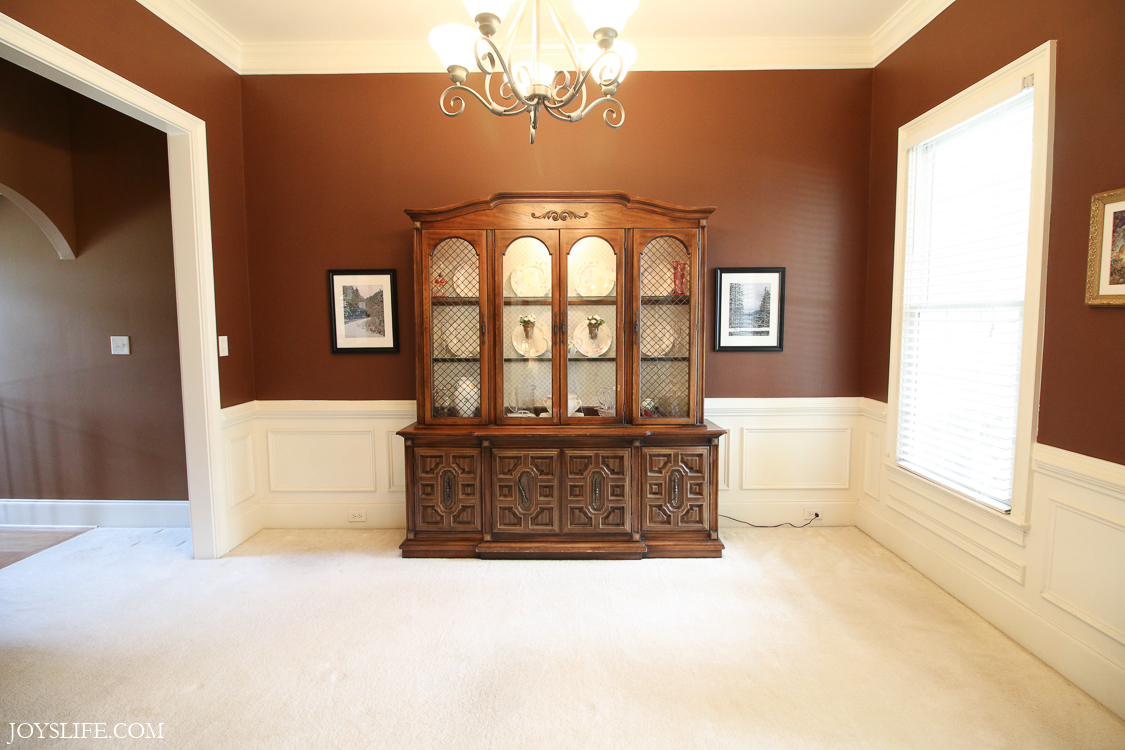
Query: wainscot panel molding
1055, 584
309, 464
128, 514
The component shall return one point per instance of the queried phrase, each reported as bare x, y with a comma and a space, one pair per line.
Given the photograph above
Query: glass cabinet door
454, 284
667, 325
593, 263
526, 337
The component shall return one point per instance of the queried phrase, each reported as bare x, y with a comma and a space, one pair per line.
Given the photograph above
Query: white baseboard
832, 512
115, 513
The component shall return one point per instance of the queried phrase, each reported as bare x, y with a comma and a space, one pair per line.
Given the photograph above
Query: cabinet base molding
676, 547
555, 549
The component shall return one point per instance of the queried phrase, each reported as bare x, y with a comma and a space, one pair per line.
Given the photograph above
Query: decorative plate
657, 338
531, 280
531, 346
595, 279
656, 281
466, 280
462, 338
589, 347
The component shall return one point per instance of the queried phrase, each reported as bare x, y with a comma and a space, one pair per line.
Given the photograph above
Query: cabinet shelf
512, 301
580, 301
455, 301
664, 359
671, 299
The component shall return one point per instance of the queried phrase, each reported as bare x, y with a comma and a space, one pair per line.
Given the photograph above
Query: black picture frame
748, 334
343, 306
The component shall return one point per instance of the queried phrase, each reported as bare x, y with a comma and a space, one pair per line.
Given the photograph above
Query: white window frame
996, 88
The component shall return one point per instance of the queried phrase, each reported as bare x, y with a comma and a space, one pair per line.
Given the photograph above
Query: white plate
657, 338
531, 280
656, 280
466, 280
534, 345
595, 279
589, 347
463, 338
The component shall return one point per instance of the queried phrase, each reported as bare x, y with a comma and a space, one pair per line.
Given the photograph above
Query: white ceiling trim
656, 54
185, 17
905, 23
765, 53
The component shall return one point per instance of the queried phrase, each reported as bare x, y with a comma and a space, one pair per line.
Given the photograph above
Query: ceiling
349, 36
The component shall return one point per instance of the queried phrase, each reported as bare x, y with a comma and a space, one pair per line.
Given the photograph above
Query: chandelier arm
513, 109
558, 104
614, 115
490, 71
513, 29
568, 40
457, 102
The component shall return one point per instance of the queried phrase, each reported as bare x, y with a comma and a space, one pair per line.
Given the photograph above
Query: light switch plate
119, 345
224, 349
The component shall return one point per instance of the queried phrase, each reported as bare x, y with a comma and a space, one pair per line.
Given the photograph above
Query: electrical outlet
357, 516
812, 513
118, 344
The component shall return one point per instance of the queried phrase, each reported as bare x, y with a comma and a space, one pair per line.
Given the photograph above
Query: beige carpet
18, 542
817, 638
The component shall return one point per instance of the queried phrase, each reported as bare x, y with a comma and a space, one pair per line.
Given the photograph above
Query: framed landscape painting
1105, 275
750, 309
364, 313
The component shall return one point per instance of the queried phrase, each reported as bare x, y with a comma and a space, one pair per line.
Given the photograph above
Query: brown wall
75, 421
35, 156
1082, 400
128, 39
332, 161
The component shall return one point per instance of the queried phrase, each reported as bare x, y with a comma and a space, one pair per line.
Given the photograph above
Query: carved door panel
677, 489
447, 489
525, 497
596, 491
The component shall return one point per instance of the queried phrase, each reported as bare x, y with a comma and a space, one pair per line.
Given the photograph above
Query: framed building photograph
364, 311
750, 308
1105, 275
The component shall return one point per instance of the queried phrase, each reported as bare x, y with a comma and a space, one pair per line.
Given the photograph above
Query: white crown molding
185, 17
905, 23
749, 53
656, 54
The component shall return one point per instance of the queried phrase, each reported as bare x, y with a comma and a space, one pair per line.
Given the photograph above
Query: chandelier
533, 85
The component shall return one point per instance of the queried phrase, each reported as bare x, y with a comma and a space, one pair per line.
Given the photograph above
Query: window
969, 261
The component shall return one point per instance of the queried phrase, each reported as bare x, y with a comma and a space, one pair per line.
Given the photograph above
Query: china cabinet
560, 381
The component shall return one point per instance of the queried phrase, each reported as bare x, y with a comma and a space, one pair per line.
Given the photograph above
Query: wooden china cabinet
560, 381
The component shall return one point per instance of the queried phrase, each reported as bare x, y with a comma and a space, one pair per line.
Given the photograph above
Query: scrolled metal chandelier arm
531, 86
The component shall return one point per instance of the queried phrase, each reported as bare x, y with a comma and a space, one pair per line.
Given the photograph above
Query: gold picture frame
1105, 274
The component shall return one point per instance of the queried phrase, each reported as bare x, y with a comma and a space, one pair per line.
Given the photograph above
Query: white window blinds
968, 213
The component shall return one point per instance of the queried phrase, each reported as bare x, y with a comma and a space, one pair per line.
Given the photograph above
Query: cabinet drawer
596, 496
524, 496
447, 489
677, 489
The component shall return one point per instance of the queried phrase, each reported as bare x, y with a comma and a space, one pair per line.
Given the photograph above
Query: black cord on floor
775, 526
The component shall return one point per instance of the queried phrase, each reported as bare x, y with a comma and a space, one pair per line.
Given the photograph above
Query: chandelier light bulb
531, 81
607, 68
454, 43
605, 14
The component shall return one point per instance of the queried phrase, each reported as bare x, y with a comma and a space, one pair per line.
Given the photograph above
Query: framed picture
364, 308
749, 309
1105, 275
